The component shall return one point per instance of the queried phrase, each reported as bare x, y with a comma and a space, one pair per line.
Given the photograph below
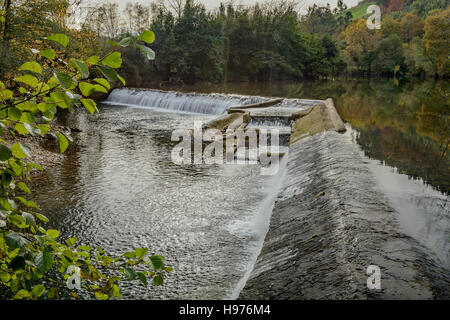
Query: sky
212, 4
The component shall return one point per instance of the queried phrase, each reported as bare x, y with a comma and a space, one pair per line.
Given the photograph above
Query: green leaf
52, 293
100, 295
61, 99
52, 233
142, 277
5, 153
31, 129
26, 106
4, 277
158, 280
27, 117
141, 252
103, 82
44, 128
63, 142
114, 60
90, 105
34, 165
99, 88
31, 66
22, 186
125, 42
65, 80
71, 241
148, 36
29, 218
157, 261
109, 73
122, 80
49, 54
93, 60
44, 261
113, 43
129, 273
86, 88
129, 255
20, 128
28, 203
14, 114
60, 38
22, 294
6, 94
149, 53
81, 67
22, 90
42, 217
85, 248
38, 290
15, 240
21, 150
29, 80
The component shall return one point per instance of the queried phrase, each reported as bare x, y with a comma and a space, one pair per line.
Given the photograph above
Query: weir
213, 104
329, 220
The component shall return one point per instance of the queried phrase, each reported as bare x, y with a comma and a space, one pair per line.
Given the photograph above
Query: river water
119, 189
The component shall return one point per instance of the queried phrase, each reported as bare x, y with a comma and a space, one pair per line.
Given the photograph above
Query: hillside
360, 10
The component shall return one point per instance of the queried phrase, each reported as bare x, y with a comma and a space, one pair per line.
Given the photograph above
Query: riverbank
44, 149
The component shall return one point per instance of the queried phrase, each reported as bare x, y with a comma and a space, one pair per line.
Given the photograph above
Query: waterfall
214, 104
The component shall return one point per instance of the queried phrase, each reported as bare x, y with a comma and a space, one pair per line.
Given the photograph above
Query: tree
105, 20
319, 19
137, 17
389, 26
389, 58
416, 58
410, 26
360, 45
28, 252
437, 41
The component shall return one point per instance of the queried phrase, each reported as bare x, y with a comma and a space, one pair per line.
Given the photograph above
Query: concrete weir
330, 222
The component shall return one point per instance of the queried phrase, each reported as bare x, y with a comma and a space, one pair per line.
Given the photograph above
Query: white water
214, 104
260, 223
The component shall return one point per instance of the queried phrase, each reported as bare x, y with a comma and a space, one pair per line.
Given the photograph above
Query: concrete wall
329, 224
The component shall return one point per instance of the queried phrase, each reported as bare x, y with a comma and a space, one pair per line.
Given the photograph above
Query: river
119, 189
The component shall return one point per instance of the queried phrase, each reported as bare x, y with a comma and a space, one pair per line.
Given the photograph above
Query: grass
360, 11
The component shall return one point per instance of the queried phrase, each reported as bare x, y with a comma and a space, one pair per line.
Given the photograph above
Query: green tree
410, 26
437, 41
389, 58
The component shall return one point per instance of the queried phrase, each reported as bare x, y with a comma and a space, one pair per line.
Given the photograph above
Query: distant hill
360, 10
419, 7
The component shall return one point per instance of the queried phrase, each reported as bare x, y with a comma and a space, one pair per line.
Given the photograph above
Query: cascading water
214, 104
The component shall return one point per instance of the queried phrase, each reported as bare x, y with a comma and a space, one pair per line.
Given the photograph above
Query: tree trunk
7, 5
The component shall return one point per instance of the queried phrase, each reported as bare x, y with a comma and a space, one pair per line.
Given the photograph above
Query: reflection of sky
212, 4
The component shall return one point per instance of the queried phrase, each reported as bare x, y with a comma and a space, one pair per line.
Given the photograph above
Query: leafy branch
33, 263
